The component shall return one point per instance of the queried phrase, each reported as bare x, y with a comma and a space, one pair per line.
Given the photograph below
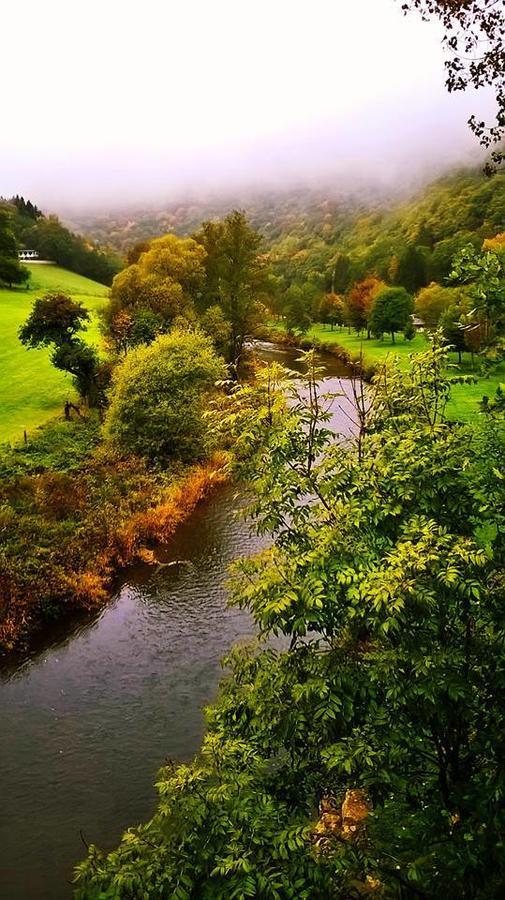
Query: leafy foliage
158, 397
11, 272
474, 39
391, 311
55, 320
386, 576
236, 276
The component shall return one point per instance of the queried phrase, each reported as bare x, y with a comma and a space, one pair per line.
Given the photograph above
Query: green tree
341, 275
11, 272
217, 327
159, 395
54, 321
391, 311
236, 276
433, 300
453, 329
297, 310
484, 273
411, 272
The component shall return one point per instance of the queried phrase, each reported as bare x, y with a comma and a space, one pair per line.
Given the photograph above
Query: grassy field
31, 389
464, 397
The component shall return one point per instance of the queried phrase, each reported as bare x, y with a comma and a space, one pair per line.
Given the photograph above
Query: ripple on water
88, 719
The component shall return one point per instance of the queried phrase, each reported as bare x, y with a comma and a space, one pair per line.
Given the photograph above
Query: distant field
464, 397
31, 389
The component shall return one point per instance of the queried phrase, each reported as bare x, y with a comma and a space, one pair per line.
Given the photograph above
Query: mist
127, 104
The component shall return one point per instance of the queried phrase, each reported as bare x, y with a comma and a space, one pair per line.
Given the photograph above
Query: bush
159, 395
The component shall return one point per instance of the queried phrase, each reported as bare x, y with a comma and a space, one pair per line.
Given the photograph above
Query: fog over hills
187, 101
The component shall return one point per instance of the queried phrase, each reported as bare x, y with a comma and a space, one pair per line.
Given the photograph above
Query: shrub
159, 395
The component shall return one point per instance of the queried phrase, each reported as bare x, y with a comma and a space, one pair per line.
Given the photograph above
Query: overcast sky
107, 101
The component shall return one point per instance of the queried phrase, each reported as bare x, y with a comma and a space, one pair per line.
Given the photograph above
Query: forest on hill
306, 230
52, 240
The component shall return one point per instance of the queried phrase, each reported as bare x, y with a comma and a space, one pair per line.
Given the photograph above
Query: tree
210, 235
236, 276
433, 300
159, 394
360, 300
54, 321
83, 363
440, 266
411, 272
341, 275
296, 309
331, 310
453, 329
391, 311
217, 327
165, 280
474, 40
53, 241
484, 273
11, 272
134, 253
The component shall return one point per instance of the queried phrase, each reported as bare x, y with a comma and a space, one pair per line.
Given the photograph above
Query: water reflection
90, 715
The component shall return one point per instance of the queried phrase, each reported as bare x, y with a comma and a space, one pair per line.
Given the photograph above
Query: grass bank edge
40, 576
464, 400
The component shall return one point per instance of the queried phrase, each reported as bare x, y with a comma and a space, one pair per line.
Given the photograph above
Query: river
88, 717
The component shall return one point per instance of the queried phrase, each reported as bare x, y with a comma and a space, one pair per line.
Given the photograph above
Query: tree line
30, 229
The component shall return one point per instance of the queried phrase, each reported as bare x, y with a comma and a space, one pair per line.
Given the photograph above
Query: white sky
112, 100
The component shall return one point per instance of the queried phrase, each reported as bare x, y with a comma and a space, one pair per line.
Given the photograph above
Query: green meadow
465, 398
31, 389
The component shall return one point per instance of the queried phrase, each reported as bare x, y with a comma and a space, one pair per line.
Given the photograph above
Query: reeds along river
88, 718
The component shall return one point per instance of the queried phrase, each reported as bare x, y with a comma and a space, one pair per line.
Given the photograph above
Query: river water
89, 716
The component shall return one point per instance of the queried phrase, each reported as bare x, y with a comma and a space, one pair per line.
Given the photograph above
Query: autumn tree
161, 285
432, 301
55, 319
359, 303
331, 310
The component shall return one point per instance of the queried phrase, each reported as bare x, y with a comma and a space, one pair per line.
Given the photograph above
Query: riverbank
103, 698
355, 362
367, 356
73, 512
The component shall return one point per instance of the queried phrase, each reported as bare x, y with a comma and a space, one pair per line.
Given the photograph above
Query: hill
371, 227
31, 389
